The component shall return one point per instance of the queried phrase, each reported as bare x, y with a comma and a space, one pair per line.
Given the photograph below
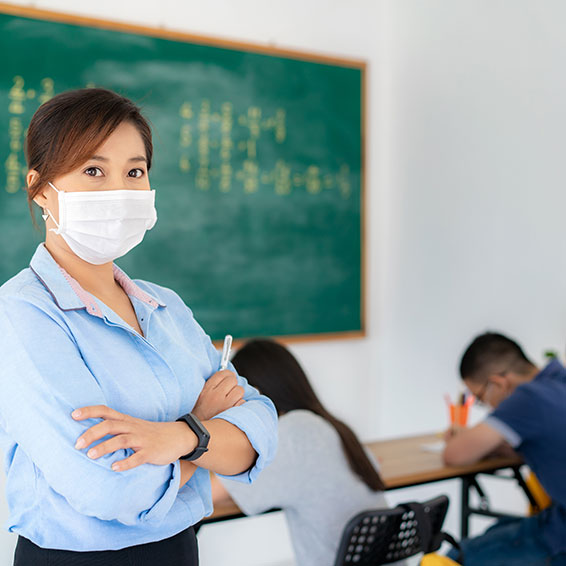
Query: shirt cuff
157, 513
263, 440
508, 433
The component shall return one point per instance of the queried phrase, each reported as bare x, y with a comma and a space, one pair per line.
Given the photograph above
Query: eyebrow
105, 159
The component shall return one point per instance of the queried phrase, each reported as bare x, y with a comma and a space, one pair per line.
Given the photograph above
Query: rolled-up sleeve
257, 418
43, 378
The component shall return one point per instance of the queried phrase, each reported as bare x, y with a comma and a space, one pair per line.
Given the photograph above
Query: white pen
226, 352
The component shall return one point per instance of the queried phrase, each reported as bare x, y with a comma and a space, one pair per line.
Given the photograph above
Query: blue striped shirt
61, 348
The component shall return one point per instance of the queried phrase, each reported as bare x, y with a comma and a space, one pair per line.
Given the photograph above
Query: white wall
466, 116
475, 191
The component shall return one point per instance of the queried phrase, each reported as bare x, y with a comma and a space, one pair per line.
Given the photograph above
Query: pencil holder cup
459, 415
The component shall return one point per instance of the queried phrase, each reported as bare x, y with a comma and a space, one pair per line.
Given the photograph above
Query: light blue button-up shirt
60, 349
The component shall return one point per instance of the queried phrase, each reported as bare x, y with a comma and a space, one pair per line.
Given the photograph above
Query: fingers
133, 461
450, 433
220, 377
220, 392
121, 442
101, 430
215, 379
229, 388
98, 412
235, 395
240, 402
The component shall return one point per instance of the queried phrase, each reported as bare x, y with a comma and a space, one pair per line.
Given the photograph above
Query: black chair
383, 536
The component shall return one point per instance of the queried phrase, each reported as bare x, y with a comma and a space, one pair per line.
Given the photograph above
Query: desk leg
484, 509
465, 509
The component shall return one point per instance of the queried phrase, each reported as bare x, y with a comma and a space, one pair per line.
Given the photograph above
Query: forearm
229, 450
187, 471
471, 445
161, 443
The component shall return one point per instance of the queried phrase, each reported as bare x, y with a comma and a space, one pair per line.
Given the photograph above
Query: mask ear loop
48, 213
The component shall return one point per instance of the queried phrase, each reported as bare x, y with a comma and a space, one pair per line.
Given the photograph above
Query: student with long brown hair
108, 386
321, 475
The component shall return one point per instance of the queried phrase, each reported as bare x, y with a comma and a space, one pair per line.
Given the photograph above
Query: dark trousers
511, 542
179, 550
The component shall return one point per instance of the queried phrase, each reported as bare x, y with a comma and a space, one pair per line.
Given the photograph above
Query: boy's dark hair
492, 352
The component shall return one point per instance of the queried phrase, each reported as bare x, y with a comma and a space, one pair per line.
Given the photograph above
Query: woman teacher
77, 332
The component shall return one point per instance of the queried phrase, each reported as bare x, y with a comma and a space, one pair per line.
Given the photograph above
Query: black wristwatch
202, 434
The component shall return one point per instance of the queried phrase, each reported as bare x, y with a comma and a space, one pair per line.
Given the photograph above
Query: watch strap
203, 436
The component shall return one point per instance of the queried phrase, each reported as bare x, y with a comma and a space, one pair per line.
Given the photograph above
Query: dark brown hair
272, 369
493, 352
67, 130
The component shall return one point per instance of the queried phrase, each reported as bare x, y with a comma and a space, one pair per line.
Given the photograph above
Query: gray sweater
310, 479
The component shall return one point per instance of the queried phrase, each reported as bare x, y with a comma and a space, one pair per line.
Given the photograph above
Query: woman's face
120, 163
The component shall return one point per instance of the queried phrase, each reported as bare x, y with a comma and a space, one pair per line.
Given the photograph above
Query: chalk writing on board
210, 149
22, 102
208, 131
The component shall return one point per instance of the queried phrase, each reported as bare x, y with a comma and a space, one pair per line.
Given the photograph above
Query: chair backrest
383, 536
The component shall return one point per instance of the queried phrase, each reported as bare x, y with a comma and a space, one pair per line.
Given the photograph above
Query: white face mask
101, 226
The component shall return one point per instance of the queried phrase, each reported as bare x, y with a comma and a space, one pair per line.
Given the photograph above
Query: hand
504, 450
220, 392
452, 432
153, 443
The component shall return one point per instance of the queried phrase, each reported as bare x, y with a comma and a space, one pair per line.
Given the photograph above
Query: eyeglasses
480, 395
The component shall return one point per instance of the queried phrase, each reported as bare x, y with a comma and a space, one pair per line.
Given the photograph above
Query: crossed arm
229, 451
161, 443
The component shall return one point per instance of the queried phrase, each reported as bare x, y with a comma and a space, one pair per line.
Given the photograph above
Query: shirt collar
67, 292
554, 369
134, 290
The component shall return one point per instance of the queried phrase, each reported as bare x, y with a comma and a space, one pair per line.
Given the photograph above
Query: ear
39, 199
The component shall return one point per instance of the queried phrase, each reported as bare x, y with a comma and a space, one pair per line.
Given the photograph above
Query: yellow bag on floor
434, 559
541, 497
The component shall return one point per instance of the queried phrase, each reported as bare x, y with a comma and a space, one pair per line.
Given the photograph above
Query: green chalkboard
257, 170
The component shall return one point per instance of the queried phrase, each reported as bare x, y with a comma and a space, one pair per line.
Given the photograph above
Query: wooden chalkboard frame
164, 33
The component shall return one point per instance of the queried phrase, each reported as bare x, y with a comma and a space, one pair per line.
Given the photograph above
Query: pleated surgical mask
101, 226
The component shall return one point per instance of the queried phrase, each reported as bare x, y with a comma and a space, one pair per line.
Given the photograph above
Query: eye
93, 172
136, 173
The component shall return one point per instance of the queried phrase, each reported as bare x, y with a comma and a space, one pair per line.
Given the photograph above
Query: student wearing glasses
529, 414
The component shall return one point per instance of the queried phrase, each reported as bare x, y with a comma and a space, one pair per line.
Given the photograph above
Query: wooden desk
404, 463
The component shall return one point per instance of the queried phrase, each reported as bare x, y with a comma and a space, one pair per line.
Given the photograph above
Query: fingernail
115, 466
76, 413
91, 453
80, 443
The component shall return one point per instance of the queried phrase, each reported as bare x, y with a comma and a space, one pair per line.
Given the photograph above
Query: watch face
200, 430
